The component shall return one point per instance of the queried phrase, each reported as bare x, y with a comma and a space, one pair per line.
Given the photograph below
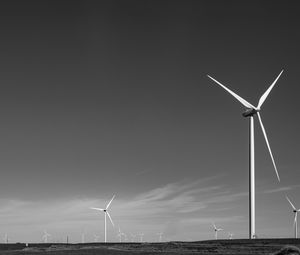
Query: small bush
288, 250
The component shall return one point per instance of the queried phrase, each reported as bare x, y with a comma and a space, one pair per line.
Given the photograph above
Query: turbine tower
216, 230
250, 112
83, 237
105, 212
295, 211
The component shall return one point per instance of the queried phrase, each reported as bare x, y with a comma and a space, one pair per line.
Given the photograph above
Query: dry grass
214, 247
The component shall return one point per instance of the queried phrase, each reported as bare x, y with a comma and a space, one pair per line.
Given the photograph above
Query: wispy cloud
167, 205
280, 189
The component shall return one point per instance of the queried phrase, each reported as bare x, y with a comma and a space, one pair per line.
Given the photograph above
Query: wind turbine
83, 237
160, 236
295, 211
230, 235
120, 235
96, 238
141, 237
132, 237
216, 230
5, 238
105, 212
250, 112
45, 236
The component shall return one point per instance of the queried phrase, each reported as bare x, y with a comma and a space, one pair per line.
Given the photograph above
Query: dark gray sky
111, 97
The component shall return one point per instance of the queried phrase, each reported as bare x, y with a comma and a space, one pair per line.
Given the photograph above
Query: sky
112, 97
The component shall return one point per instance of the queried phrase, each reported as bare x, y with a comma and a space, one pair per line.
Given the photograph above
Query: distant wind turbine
216, 230
230, 235
295, 211
5, 238
105, 212
132, 237
120, 235
250, 112
160, 234
141, 237
96, 238
45, 236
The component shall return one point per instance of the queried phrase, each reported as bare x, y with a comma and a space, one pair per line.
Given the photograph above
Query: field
218, 247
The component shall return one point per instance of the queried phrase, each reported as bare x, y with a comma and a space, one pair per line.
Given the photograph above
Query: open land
218, 247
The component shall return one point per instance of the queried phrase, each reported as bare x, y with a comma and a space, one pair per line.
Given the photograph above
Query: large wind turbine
216, 230
295, 211
250, 112
105, 212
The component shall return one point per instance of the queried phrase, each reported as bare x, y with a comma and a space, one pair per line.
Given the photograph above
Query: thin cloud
280, 189
148, 210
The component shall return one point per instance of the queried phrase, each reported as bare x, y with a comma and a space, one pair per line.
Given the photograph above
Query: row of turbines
122, 237
250, 112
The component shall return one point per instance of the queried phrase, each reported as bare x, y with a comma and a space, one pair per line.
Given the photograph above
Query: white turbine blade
291, 203
295, 219
110, 218
240, 99
95, 208
110, 202
265, 95
214, 226
267, 142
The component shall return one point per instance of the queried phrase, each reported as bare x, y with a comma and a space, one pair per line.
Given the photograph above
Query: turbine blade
295, 219
95, 208
291, 203
110, 202
214, 226
268, 145
110, 218
265, 95
240, 99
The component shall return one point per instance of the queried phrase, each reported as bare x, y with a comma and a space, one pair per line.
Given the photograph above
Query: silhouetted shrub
288, 250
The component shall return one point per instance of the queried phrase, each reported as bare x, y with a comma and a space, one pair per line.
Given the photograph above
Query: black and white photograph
149, 127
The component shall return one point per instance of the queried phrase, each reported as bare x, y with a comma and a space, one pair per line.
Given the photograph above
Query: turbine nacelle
250, 112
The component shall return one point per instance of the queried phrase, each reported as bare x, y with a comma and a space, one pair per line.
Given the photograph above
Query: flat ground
218, 247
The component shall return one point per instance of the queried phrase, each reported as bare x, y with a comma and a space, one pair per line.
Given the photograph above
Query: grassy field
218, 247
